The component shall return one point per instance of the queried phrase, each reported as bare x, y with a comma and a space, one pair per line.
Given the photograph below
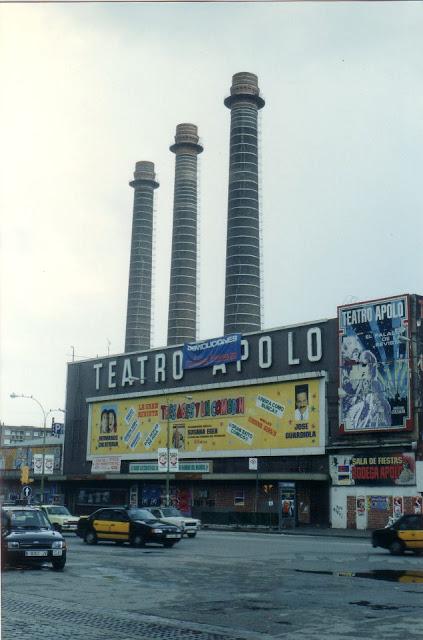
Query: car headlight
157, 530
58, 544
13, 545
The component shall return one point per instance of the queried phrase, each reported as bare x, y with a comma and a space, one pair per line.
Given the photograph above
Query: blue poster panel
374, 381
212, 352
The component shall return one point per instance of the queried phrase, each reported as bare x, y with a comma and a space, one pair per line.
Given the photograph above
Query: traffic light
24, 474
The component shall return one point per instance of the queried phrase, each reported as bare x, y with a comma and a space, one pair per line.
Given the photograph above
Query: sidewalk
297, 531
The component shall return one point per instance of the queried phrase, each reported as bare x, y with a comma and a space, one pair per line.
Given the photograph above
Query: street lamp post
168, 453
133, 379
45, 414
168, 448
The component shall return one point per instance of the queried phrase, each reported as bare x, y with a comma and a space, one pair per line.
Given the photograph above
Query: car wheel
90, 537
58, 565
168, 543
417, 552
192, 535
137, 540
396, 548
119, 542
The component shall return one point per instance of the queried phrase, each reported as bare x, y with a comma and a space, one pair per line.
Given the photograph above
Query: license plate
57, 552
36, 554
173, 535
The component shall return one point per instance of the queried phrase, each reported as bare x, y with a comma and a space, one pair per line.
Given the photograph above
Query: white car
61, 518
171, 515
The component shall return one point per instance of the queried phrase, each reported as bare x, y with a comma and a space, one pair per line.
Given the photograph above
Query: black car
405, 534
121, 524
27, 538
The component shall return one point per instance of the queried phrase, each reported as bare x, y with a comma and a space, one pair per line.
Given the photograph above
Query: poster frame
319, 449
409, 421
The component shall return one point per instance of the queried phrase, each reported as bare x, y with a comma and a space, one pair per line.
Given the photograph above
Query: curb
326, 533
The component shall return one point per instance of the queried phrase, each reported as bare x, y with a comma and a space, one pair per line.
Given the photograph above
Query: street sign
185, 467
57, 429
26, 491
163, 456
252, 464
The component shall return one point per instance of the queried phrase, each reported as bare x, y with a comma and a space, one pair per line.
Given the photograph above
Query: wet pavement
222, 585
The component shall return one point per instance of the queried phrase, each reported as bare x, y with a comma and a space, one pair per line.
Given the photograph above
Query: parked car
189, 526
405, 534
60, 517
28, 537
122, 524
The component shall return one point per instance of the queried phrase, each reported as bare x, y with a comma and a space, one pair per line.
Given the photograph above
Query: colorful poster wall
12, 458
374, 363
286, 416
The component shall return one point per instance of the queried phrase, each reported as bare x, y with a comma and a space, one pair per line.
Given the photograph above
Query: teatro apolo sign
278, 352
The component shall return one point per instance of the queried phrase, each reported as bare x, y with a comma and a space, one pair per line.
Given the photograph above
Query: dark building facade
243, 288
182, 323
138, 317
121, 410
324, 418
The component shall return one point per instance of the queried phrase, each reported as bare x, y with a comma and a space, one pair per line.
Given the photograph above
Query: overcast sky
88, 90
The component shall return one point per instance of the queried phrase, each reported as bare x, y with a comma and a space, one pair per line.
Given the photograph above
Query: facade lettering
112, 374
134, 370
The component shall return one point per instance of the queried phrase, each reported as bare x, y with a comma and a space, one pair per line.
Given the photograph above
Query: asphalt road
219, 586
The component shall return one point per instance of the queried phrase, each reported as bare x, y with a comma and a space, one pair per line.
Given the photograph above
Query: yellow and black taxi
27, 537
405, 534
122, 524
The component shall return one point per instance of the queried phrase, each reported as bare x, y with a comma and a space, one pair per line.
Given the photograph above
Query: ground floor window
101, 497
239, 498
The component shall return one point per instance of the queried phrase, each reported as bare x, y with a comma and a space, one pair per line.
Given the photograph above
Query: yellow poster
283, 415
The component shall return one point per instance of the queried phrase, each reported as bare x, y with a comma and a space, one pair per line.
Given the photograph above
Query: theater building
250, 436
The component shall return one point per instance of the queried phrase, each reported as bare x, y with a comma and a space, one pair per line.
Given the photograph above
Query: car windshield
58, 511
141, 514
171, 512
27, 519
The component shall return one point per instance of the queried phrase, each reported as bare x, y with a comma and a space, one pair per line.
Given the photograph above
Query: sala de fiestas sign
374, 468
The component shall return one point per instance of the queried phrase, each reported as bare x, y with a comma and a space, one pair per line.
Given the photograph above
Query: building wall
286, 357
346, 513
286, 354
369, 458
13, 434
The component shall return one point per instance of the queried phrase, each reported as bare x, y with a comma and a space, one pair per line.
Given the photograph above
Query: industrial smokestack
183, 274
138, 317
242, 290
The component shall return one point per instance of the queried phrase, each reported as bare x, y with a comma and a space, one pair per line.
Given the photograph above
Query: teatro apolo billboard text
374, 381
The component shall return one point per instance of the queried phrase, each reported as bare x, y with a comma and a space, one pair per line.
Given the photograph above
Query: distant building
18, 447
12, 435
